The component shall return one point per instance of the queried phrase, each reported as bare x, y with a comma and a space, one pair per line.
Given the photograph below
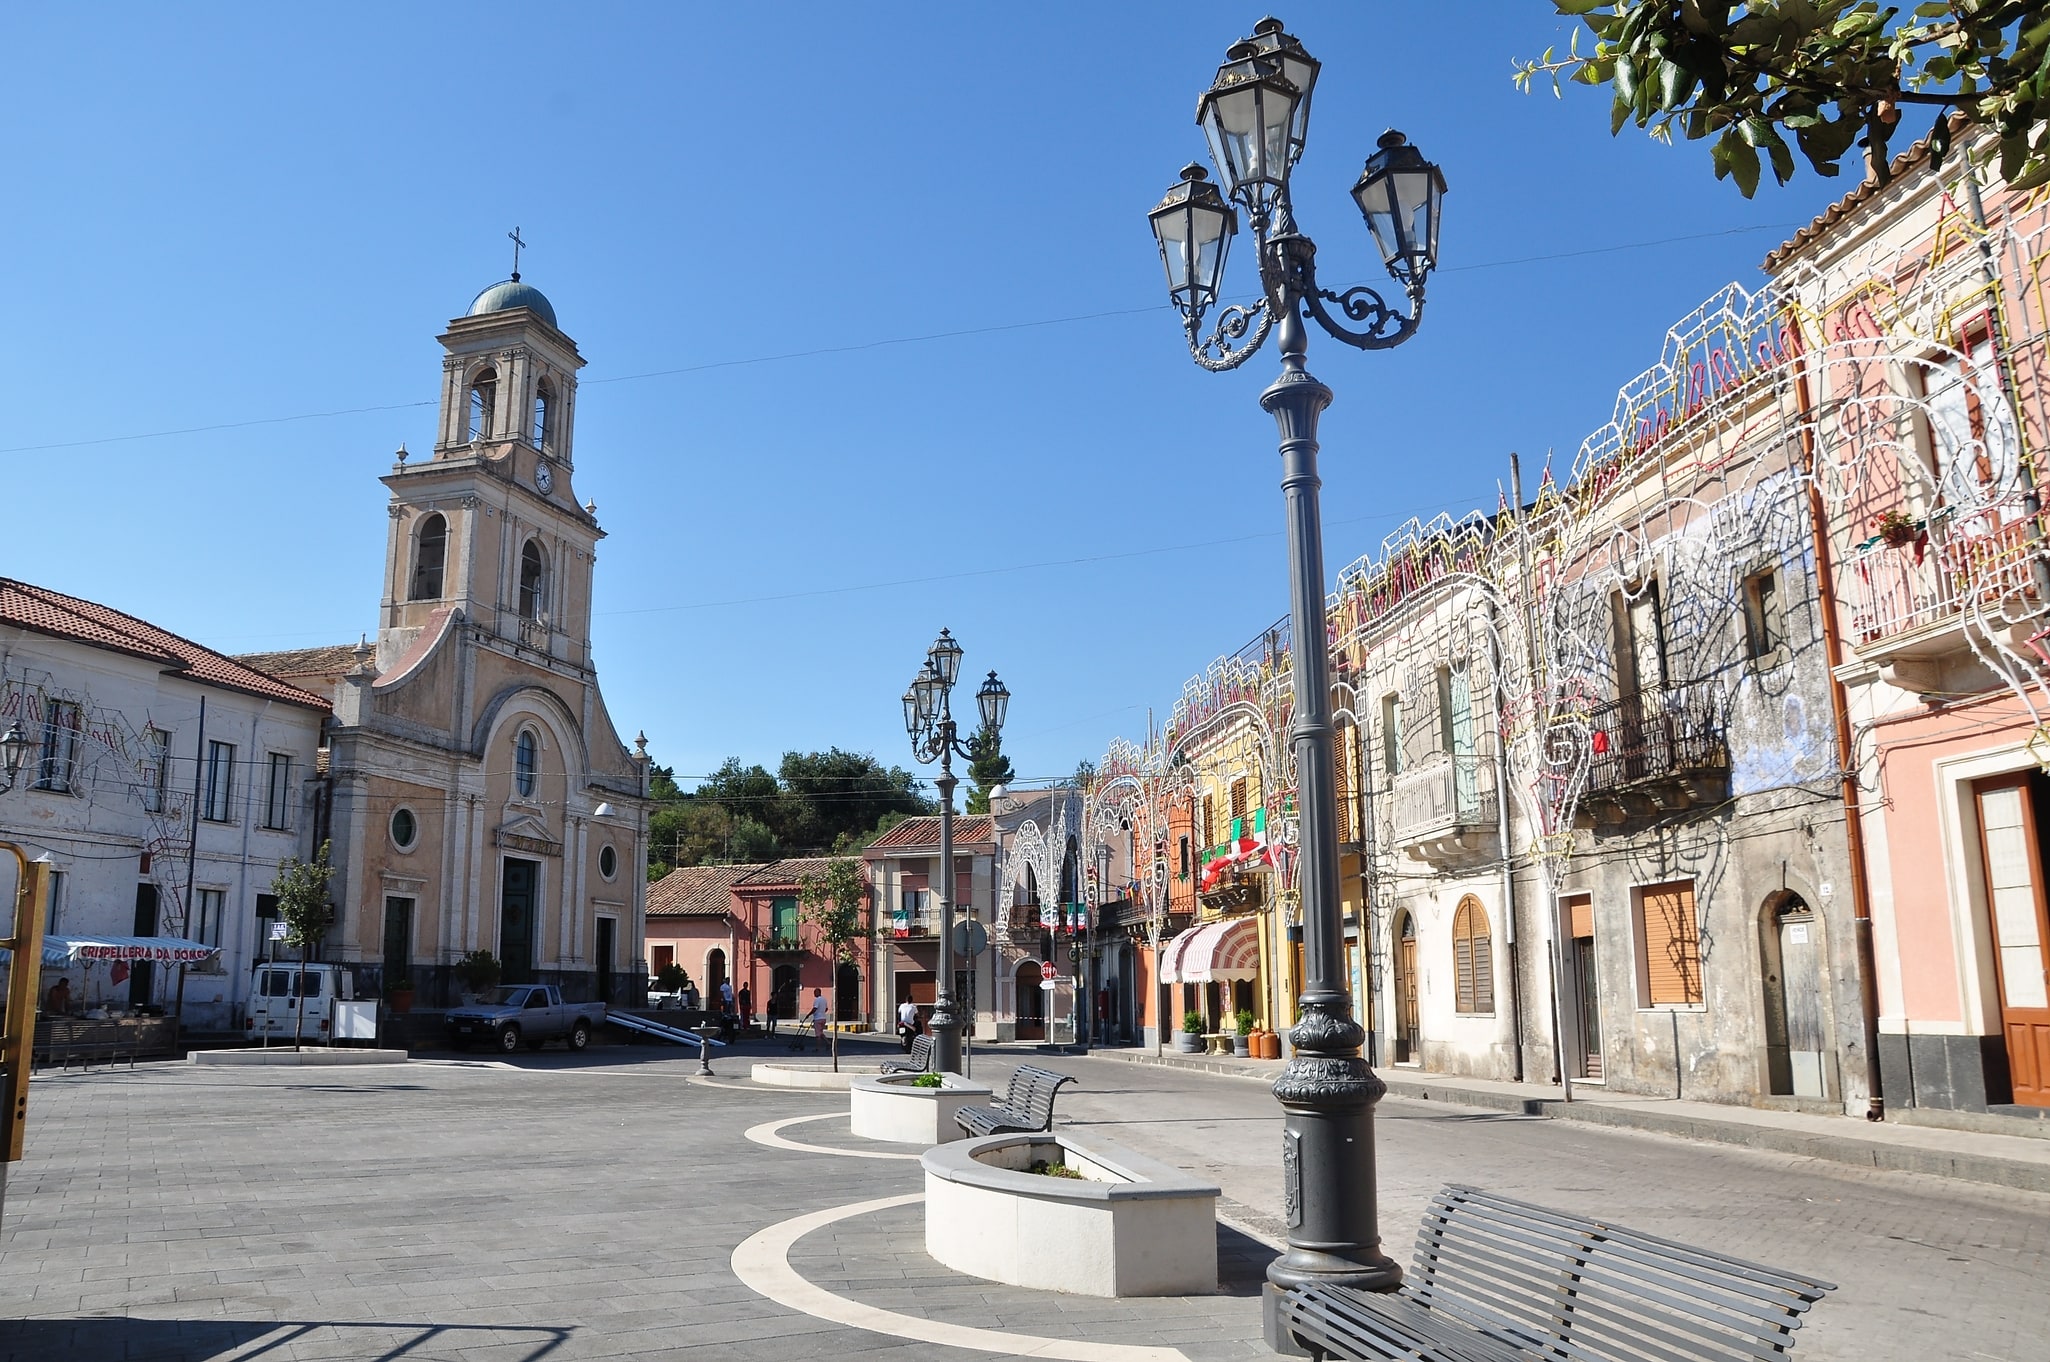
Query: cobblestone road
587, 1207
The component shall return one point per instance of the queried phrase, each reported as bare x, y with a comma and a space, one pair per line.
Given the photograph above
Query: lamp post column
946, 1016
1327, 1091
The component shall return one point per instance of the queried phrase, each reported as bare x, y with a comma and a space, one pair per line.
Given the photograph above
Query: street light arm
1216, 352
1385, 327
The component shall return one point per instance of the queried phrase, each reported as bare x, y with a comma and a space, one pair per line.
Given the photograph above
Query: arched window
483, 397
430, 553
1473, 958
544, 414
523, 763
533, 581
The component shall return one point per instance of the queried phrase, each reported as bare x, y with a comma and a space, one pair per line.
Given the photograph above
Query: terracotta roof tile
331, 660
923, 834
787, 871
43, 611
1843, 207
696, 890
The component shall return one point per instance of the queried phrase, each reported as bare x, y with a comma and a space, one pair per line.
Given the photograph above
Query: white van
278, 990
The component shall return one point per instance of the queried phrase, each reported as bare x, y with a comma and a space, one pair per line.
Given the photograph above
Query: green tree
751, 841
1832, 73
988, 767
831, 793
301, 889
835, 902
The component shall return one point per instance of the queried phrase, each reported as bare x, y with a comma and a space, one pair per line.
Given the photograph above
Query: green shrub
928, 1081
1192, 1022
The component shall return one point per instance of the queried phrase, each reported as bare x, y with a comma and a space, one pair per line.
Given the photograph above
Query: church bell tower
489, 523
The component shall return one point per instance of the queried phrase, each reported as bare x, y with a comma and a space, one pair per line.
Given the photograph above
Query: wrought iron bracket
1218, 352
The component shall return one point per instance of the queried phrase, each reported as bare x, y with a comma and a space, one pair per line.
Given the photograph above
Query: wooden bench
1495, 1279
919, 1061
1027, 1106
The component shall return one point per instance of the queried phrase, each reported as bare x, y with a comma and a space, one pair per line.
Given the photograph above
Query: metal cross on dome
517, 243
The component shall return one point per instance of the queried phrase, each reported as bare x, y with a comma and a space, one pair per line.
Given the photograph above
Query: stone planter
893, 1107
819, 1075
1127, 1227
1242, 1045
1188, 1043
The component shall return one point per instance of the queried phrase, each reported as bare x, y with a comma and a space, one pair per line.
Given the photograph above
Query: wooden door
516, 912
1031, 1003
2012, 851
1407, 1027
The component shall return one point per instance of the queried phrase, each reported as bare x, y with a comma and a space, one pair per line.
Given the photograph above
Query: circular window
608, 862
405, 829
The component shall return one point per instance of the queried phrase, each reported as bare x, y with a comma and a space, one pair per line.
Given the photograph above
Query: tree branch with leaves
1830, 74
301, 889
834, 902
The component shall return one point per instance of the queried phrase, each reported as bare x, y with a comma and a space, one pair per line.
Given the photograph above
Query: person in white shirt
818, 1019
907, 1023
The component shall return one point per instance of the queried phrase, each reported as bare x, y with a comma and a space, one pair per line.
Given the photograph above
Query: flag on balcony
1250, 849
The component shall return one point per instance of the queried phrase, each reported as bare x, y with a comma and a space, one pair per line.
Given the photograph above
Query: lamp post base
946, 1042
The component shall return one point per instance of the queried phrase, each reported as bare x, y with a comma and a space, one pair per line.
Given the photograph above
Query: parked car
513, 1015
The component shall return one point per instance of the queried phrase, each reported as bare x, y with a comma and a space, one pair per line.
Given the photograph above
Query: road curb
1964, 1165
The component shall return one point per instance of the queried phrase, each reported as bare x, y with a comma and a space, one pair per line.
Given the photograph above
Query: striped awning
1213, 953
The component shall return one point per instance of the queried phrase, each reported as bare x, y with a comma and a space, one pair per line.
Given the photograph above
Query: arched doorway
1790, 958
715, 975
1408, 1028
1031, 1002
846, 993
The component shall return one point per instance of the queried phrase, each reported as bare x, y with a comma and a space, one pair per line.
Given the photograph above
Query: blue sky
876, 329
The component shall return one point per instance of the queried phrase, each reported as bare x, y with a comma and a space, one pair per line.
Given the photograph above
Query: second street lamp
1256, 119
929, 719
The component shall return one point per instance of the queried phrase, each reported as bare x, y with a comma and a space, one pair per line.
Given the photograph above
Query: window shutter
1341, 783
1473, 961
1671, 939
1483, 951
1462, 973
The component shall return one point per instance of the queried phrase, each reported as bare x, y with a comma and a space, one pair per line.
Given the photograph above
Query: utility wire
858, 346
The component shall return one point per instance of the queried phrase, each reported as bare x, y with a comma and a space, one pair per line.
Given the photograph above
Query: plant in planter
928, 1081
1895, 529
1190, 1041
400, 995
1242, 1043
479, 972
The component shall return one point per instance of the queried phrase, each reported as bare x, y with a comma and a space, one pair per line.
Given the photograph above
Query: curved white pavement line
770, 1134
762, 1262
757, 1088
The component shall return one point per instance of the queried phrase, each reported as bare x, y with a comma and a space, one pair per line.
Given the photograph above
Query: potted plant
479, 972
1242, 1043
1190, 1041
401, 997
1895, 530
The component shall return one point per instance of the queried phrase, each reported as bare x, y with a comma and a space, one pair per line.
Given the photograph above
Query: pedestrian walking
907, 1023
818, 1019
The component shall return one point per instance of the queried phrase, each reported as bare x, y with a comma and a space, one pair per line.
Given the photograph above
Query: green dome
509, 294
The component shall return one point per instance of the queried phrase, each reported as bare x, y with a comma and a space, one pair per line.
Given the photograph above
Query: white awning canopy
1213, 953
161, 950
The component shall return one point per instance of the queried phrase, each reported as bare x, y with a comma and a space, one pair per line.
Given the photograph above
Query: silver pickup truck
529, 1014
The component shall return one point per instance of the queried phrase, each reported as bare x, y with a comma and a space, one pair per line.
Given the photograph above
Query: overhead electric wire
854, 347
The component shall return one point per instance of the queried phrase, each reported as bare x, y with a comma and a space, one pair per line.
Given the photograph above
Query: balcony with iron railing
919, 924
1655, 751
1446, 810
1910, 593
770, 943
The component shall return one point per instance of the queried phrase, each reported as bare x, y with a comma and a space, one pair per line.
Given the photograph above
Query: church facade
478, 796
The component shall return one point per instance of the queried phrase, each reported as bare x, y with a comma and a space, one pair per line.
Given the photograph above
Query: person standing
818, 1019
747, 1007
907, 1022
58, 1003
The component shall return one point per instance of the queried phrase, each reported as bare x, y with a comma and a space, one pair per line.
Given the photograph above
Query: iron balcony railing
1946, 567
1446, 793
1668, 733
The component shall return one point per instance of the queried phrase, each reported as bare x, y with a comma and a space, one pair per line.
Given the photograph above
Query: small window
1185, 858
1238, 806
277, 804
1765, 627
405, 829
156, 769
219, 803
1473, 958
533, 575
1209, 822
783, 918
1391, 734
207, 907
483, 397
277, 983
544, 411
430, 555
1668, 945
57, 763
608, 862
523, 763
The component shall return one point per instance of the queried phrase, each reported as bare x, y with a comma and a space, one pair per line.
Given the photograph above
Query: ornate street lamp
929, 719
13, 752
1256, 119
